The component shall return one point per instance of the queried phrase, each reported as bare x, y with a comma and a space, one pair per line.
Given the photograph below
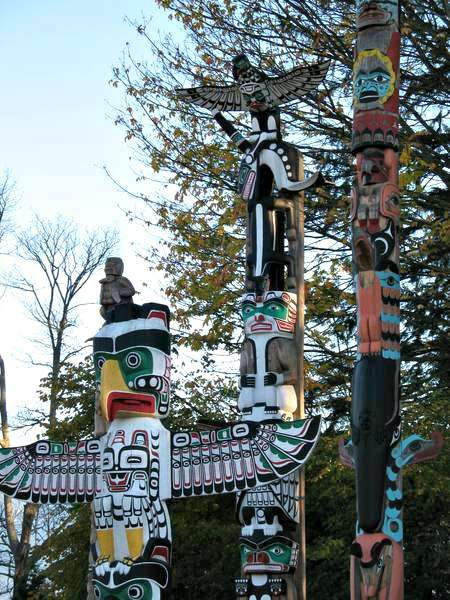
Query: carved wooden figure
269, 183
376, 449
269, 170
115, 288
269, 355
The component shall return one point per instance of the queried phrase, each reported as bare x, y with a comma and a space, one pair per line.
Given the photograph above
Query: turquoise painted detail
392, 354
374, 84
390, 318
401, 455
389, 279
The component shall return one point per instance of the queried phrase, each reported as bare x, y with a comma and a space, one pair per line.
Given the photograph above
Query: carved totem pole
376, 449
269, 184
134, 464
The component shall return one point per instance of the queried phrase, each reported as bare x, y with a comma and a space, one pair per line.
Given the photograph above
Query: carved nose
262, 557
259, 317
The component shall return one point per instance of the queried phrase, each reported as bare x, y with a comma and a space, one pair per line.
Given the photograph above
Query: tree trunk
23, 550
20, 549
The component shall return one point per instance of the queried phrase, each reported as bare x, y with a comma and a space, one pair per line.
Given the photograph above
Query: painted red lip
127, 402
118, 482
261, 327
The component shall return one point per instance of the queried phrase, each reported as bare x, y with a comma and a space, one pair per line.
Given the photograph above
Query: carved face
114, 266
133, 368
372, 12
277, 554
126, 463
373, 79
143, 579
377, 565
256, 96
273, 312
241, 65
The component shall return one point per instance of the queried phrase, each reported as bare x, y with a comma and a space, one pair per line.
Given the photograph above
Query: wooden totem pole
133, 464
269, 182
376, 450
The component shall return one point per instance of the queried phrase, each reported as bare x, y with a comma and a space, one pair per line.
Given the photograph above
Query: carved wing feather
297, 82
227, 97
51, 471
239, 457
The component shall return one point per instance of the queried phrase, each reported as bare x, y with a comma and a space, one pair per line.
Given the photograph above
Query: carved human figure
268, 366
115, 288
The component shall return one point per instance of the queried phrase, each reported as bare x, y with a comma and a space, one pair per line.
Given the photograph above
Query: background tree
59, 264
7, 203
204, 226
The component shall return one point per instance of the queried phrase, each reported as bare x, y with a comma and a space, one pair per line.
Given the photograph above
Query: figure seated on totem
115, 289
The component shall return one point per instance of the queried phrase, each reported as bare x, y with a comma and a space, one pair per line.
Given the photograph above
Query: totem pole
376, 450
135, 464
269, 184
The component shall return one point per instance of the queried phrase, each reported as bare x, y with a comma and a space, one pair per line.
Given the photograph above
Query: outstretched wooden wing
51, 471
297, 83
240, 456
227, 97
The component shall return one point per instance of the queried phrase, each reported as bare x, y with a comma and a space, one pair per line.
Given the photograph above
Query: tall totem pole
376, 449
269, 183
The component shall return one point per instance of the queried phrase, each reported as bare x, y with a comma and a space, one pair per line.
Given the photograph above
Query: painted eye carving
135, 592
97, 592
273, 307
100, 362
277, 550
380, 563
380, 78
133, 360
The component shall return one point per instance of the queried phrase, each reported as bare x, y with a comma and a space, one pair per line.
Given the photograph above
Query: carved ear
156, 549
430, 448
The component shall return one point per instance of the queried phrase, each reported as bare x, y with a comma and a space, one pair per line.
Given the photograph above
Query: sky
57, 134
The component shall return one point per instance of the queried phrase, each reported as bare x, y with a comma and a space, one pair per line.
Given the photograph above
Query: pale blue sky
56, 126
57, 132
